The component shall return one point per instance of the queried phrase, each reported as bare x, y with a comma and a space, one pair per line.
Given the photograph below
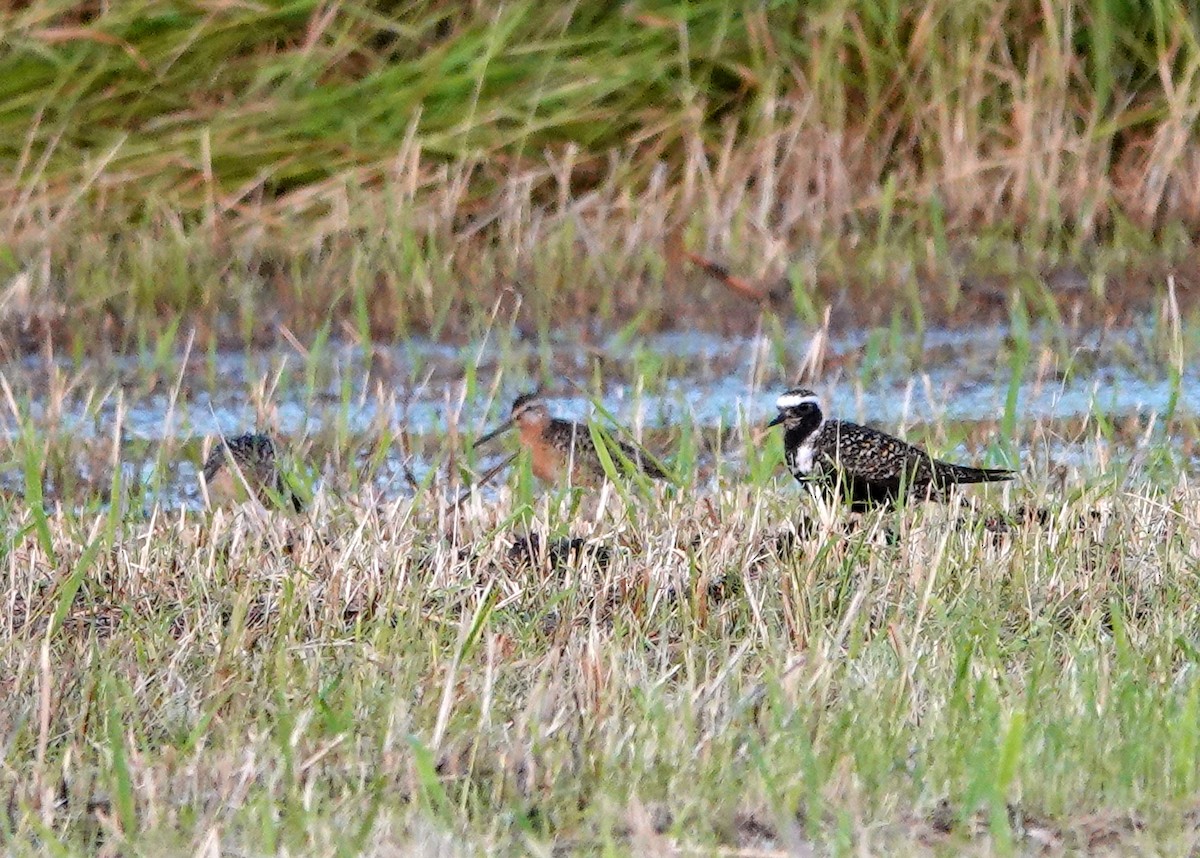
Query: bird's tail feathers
967, 474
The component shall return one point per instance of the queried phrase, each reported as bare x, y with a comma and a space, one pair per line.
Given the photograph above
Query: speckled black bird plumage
866, 466
255, 459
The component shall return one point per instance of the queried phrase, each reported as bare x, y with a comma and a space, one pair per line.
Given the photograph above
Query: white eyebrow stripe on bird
791, 400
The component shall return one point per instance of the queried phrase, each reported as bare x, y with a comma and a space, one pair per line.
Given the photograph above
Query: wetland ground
366, 226
718, 667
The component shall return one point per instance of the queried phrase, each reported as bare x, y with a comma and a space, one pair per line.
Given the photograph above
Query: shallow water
659, 381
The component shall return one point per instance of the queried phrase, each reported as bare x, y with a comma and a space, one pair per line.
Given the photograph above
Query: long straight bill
485, 479
499, 430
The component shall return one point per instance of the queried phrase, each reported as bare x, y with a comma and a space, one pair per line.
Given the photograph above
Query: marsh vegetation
365, 229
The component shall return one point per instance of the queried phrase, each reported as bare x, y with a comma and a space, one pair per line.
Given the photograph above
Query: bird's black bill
499, 430
485, 478
779, 418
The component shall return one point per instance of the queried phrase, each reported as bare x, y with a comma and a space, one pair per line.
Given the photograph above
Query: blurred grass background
401, 165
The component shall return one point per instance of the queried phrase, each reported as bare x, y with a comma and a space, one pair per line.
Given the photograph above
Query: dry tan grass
696, 687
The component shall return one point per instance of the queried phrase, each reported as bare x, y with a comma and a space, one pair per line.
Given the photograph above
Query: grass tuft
262, 167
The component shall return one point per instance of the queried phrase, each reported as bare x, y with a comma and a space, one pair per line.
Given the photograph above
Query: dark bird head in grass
799, 411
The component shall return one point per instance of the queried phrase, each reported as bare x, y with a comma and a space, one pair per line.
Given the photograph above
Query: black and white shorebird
248, 462
861, 465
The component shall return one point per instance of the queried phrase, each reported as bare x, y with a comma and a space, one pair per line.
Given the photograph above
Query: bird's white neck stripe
802, 459
805, 454
792, 400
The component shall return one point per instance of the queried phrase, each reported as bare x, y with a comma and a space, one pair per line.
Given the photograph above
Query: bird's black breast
793, 439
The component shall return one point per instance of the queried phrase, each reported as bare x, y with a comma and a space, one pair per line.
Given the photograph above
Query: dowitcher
248, 462
561, 447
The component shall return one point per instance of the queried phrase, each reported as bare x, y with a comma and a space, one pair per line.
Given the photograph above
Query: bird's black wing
862, 453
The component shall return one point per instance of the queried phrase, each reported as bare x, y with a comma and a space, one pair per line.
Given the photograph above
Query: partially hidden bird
249, 462
563, 447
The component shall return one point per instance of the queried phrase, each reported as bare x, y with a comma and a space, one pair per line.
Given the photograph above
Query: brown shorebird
563, 447
248, 462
